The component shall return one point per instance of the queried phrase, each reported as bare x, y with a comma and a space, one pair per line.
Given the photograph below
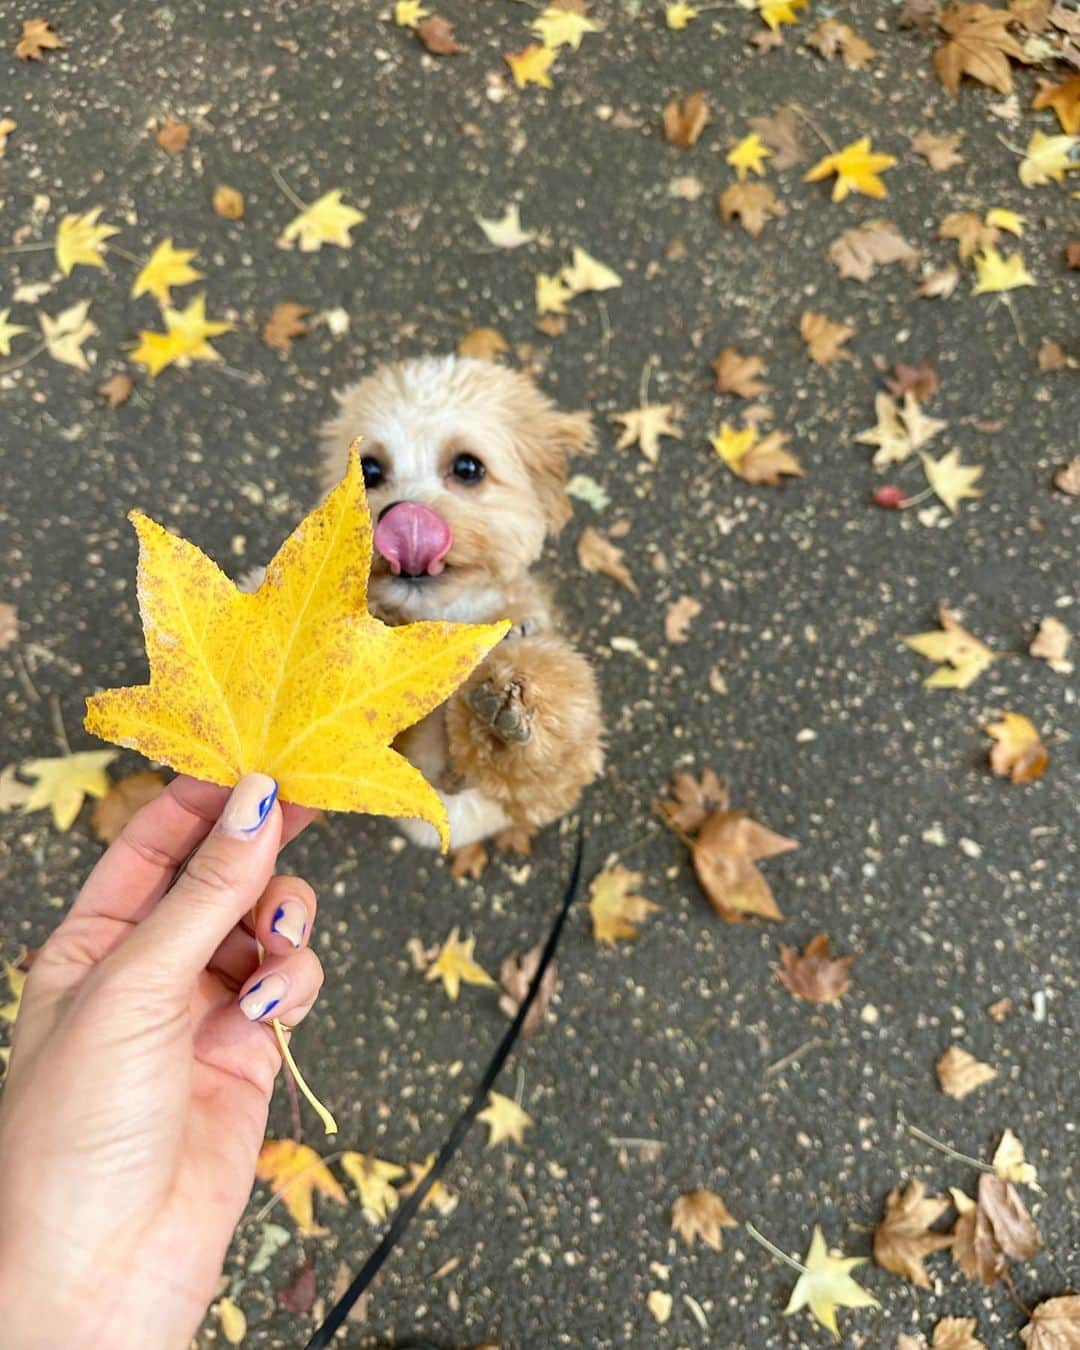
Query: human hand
141, 1072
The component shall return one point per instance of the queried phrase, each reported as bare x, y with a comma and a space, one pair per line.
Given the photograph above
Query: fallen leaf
228, 203
956, 1333
970, 231
437, 35
963, 657
588, 490
173, 136
1054, 1325
995, 273
15, 973
440, 1197
974, 1250
749, 156
614, 909
63, 784
9, 625
1067, 478
232, 1319
14, 793
586, 273
940, 152
8, 331
1000, 1009
506, 1121
903, 1239
826, 1284
679, 616
920, 381
757, 460
960, 1073
285, 322
296, 1173
859, 251
455, 965
79, 240
1009, 1221
1064, 99
950, 480
1009, 1162
856, 168
272, 1239
693, 800
563, 26
737, 374
552, 294
685, 121
597, 554
1018, 753
185, 340
166, 268
116, 389
644, 426
776, 12
752, 204
124, 798
1034, 15
832, 38
38, 35
507, 231
531, 65
326, 221
659, 1302
922, 15
978, 44
516, 974
325, 740
483, 344
701, 1214
679, 14
408, 13
298, 1296
825, 339
373, 1178
1050, 644
816, 975
939, 284
725, 854
1052, 356
686, 188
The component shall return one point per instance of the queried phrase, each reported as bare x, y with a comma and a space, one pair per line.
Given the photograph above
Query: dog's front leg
472, 816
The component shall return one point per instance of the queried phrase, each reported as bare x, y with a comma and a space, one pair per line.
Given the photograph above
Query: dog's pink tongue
413, 539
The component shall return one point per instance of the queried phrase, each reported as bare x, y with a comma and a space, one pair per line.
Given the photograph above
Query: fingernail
290, 921
249, 804
262, 998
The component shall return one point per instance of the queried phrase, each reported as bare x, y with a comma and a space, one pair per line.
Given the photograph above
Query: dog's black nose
387, 508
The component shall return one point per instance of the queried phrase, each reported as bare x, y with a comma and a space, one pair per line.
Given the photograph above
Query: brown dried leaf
938, 151
597, 554
614, 908
298, 1295
1000, 1009
1054, 1325
124, 797
903, 1239
832, 38
750, 203
554, 325
38, 35
780, 132
737, 374
960, 1073
859, 251
956, 1333
1072, 255
1011, 1224
973, 1247
484, 344
1067, 478
285, 322
922, 15
921, 380
824, 338
468, 861
515, 975
1051, 642
1064, 98
1018, 753
701, 1214
816, 975
939, 284
228, 203
767, 460
1052, 356
9, 625
693, 800
684, 122
978, 44
173, 136
437, 35
724, 857
116, 389
970, 231
1034, 15
679, 616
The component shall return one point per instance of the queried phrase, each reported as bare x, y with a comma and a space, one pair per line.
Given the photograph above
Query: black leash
404, 1215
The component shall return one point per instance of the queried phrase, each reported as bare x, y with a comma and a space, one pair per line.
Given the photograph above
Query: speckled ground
954, 889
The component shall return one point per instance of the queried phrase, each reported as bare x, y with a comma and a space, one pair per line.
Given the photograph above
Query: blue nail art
266, 806
270, 1007
279, 914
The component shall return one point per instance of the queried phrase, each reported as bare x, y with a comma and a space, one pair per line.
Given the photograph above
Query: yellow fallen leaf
186, 338
408, 13
899, 431
552, 294
65, 335
1009, 1161
1048, 159
995, 273
585, 273
233, 1321
826, 1285
7, 126
167, 267
1065, 101
507, 231
1018, 753
644, 426
326, 221
372, 1177
1001, 218
64, 783
439, 1197
950, 480
659, 1303
296, 1172
560, 27
615, 911
79, 240
749, 156
757, 460
16, 978
962, 657
776, 12
856, 168
455, 964
531, 65
8, 331
678, 15
298, 680
505, 1120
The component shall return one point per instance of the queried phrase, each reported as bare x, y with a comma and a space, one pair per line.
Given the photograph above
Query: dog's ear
547, 439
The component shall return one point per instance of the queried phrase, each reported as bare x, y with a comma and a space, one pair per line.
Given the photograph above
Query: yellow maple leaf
755, 460
614, 909
79, 240
167, 267
8, 331
16, 978
1009, 1161
1049, 159
326, 221
1001, 218
679, 14
408, 13
186, 338
995, 273
950, 480
63, 784
64, 336
296, 1172
439, 1197
749, 156
531, 65
505, 1120
899, 431
586, 273
373, 1178
552, 294
776, 12
961, 655
826, 1285
644, 426
731, 443
1018, 753
856, 168
455, 964
298, 680
557, 27
507, 231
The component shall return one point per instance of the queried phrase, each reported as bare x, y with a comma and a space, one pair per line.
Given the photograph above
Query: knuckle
209, 874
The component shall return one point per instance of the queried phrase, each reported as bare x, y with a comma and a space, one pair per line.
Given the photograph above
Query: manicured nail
249, 804
262, 998
290, 921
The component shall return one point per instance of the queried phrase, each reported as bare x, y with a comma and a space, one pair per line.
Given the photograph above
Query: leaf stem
275, 174
770, 1247
37, 247
123, 253
329, 1124
945, 1148
23, 360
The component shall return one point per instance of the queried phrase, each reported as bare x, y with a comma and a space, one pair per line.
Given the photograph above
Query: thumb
220, 883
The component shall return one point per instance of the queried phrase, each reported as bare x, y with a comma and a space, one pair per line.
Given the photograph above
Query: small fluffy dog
465, 468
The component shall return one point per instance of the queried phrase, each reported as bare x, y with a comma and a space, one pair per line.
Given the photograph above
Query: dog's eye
373, 472
467, 468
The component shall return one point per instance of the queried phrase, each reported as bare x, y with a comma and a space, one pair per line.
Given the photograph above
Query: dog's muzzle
413, 539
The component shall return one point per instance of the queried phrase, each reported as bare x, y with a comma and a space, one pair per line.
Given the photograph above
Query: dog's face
465, 468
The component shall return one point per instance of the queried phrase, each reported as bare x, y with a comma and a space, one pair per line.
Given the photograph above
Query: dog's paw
504, 710
419, 832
